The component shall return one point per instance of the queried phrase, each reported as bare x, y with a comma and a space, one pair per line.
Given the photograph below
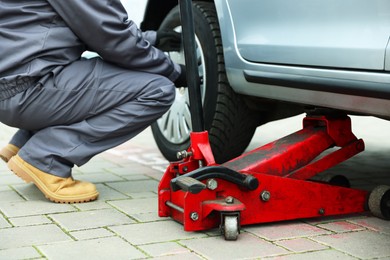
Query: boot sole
4, 158
6, 154
25, 174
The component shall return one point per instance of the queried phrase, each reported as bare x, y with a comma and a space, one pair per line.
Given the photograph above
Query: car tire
230, 123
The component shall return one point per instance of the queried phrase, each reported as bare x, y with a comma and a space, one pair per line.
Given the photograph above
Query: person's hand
168, 40
181, 81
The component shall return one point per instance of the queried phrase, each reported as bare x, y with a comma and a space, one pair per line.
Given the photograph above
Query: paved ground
123, 223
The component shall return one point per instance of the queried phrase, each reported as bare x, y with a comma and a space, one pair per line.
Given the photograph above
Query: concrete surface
123, 222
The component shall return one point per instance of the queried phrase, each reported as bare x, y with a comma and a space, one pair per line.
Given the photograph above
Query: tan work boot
57, 189
8, 151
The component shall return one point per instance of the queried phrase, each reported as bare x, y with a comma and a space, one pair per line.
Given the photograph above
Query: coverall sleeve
103, 25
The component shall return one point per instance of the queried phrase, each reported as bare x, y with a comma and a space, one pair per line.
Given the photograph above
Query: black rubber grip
187, 184
244, 180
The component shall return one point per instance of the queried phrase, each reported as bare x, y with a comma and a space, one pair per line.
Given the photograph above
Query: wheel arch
155, 12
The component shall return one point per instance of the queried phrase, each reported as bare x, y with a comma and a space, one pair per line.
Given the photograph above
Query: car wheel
230, 123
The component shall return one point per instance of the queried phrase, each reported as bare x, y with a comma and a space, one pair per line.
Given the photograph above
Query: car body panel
387, 57
314, 81
333, 33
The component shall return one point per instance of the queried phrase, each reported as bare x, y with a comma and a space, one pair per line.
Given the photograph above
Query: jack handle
191, 181
188, 33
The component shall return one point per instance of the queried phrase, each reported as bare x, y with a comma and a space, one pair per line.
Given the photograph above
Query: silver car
262, 60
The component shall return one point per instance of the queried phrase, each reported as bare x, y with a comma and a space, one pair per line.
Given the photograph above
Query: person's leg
89, 107
17, 141
20, 137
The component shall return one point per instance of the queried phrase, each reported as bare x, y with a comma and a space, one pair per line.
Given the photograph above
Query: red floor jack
271, 183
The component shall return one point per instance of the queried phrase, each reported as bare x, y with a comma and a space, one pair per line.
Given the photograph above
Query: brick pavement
123, 222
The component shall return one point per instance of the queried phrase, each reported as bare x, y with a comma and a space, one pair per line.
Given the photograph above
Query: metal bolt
212, 184
194, 216
265, 195
321, 211
183, 154
229, 200
185, 169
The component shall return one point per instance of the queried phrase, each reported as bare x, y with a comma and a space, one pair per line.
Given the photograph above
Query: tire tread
230, 131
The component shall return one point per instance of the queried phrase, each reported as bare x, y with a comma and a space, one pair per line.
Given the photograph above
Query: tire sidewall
205, 37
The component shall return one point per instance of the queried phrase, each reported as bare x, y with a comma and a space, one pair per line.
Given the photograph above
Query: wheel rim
175, 125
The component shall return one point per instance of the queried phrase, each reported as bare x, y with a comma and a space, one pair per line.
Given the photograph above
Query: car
261, 60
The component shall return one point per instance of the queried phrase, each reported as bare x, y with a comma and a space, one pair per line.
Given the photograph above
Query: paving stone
107, 193
362, 244
215, 232
136, 206
91, 233
140, 195
7, 132
121, 161
319, 255
162, 249
374, 223
93, 205
247, 246
135, 171
329, 219
5, 188
96, 165
4, 223
128, 187
148, 159
102, 248
31, 235
286, 230
19, 253
10, 195
135, 177
148, 217
30, 221
160, 169
30, 192
341, 226
157, 175
10, 179
153, 232
3, 167
186, 256
108, 166
301, 245
98, 177
29, 208
120, 171
91, 219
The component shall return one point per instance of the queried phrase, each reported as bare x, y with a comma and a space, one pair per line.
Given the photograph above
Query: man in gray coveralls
71, 108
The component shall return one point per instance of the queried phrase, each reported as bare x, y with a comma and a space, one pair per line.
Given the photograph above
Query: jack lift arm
272, 183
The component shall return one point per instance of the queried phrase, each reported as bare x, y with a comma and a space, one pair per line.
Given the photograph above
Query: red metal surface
329, 160
200, 147
282, 169
286, 154
200, 150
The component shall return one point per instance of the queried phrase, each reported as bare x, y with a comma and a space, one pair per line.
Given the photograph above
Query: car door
350, 34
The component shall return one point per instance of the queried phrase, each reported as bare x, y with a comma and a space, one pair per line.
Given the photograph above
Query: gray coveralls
77, 107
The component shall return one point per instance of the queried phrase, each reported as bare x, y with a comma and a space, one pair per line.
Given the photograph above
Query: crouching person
68, 108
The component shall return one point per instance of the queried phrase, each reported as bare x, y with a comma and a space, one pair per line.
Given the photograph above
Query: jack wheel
379, 202
230, 228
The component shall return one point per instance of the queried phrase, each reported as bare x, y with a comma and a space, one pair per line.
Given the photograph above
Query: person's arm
104, 27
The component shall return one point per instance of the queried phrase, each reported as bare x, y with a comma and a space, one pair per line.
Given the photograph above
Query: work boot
56, 189
8, 151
